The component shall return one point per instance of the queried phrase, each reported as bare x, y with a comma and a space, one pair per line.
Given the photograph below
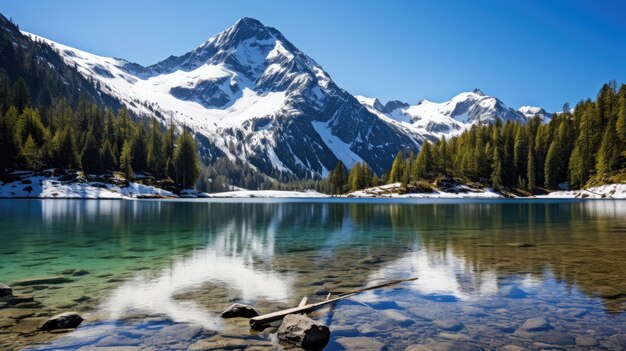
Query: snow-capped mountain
433, 119
249, 94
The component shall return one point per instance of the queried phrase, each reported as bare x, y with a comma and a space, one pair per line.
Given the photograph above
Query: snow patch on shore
269, 194
459, 192
52, 187
608, 191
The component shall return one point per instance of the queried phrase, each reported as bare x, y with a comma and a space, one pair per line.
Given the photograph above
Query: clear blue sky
525, 52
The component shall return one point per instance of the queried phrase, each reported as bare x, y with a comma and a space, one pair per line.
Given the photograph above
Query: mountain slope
45, 72
249, 94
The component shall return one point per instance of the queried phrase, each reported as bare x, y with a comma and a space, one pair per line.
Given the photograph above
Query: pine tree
375, 181
90, 156
9, 144
359, 177
156, 159
338, 178
496, 174
126, 160
31, 154
609, 152
123, 127
397, 168
586, 142
577, 174
423, 164
107, 158
406, 173
353, 182
21, 96
532, 184
540, 150
29, 123
552, 165
64, 154
621, 115
445, 157
168, 149
410, 162
140, 152
520, 151
186, 160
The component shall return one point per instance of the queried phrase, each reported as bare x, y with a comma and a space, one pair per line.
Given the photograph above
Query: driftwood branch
303, 302
303, 307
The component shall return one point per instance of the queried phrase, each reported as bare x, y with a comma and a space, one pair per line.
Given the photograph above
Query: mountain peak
393, 105
248, 22
245, 28
478, 92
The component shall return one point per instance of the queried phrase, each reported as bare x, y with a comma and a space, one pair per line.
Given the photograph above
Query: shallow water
160, 272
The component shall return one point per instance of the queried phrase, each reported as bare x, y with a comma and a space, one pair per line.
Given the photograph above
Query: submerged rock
302, 331
520, 244
371, 260
63, 321
536, 324
399, 317
360, 343
5, 291
42, 281
586, 341
20, 298
448, 324
75, 272
239, 310
15, 313
555, 338
619, 340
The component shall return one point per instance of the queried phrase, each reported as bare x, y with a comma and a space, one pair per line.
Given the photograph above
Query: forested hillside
90, 138
586, 144
51, 116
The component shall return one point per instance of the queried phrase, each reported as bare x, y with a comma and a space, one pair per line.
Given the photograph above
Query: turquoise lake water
154, 275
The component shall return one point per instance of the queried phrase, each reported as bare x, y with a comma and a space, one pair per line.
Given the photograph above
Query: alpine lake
156, 274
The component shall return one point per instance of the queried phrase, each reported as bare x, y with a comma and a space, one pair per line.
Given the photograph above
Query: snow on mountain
249, 94
532, 111
370, 102
435, 120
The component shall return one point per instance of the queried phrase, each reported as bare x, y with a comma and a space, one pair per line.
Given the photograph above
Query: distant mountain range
249, 94
450, 117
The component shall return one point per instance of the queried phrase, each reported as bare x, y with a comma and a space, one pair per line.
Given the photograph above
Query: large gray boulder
239, 310
304, 332
63, 321
5, 291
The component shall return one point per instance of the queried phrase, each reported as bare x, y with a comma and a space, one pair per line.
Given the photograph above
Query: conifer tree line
575, 146
90, 138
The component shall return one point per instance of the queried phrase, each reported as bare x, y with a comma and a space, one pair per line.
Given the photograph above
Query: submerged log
261, 321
